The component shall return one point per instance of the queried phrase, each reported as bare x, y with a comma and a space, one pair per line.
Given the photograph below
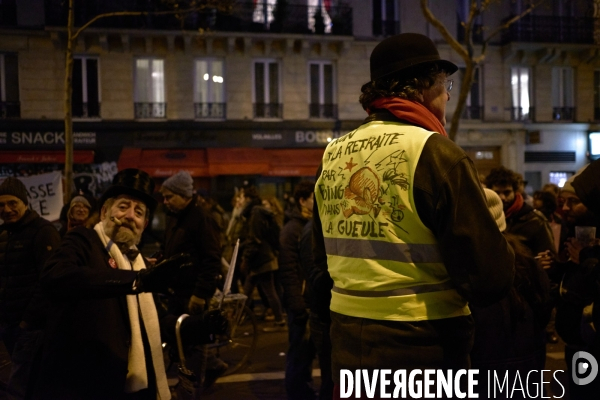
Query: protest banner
45, 194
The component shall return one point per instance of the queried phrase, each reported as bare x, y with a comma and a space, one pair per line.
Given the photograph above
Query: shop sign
317, 137
46, 139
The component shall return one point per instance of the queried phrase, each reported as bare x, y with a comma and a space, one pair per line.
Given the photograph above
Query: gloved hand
196, 305
158, 278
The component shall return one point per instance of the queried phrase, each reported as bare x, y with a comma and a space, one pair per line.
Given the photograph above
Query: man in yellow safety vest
402, 225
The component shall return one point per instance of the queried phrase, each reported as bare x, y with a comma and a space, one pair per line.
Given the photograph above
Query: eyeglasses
448, 84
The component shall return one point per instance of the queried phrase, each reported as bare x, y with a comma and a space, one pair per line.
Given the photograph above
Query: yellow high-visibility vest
385, 263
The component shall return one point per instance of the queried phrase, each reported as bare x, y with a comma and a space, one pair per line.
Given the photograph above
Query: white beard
124, 238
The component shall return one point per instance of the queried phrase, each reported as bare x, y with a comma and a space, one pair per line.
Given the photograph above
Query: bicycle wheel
237, 349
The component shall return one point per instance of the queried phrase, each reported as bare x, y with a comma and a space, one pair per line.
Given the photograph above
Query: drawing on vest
365, 191
362, 194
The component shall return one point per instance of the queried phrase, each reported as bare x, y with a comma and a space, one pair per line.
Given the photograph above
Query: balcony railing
522, 114
86, 110
268, 110
245, 16
150, 110
323, 110
10, 110
210, 110
385, 28
534, 28
472, 112
563, 113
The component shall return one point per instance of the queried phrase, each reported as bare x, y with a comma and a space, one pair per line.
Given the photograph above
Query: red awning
45, 157
223, 161
164, 163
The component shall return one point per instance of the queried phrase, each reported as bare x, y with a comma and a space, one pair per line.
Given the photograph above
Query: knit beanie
14, 187
568, 186
82, 200
494, 204
181, 183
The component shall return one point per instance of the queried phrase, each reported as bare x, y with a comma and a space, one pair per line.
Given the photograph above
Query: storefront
220, 155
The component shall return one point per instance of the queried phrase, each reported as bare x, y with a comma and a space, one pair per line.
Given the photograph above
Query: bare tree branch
456, 46
467, 49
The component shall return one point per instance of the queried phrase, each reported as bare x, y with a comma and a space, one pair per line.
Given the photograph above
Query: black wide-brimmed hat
133, 182
402, 53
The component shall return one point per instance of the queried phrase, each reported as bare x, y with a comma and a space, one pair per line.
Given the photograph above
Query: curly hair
502, 176
406, 85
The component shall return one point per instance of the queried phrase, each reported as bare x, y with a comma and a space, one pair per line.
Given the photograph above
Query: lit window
149, 88
209, 89
520, 89
559, 177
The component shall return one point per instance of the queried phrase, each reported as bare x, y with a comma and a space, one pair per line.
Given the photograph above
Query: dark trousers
361, 343
24, 352
267, 282
298, 363
319, 332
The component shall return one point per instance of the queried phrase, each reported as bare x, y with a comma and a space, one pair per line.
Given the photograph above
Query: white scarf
137, 376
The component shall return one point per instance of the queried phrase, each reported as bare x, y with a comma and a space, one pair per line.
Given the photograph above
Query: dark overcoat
87, 341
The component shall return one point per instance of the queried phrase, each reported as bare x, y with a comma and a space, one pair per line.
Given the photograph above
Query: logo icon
584, 368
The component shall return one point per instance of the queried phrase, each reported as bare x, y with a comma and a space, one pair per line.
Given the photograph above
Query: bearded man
103, 339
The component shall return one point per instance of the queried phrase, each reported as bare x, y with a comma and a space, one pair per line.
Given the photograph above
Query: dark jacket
195, 231
533, 228
261, 247
24, 248
510, 334
86, 345
296, 293
317, 278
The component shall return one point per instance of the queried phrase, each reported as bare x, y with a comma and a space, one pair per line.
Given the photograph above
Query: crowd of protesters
276, 267
422, 264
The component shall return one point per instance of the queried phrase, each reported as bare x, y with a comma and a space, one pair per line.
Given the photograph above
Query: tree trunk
465, 88
68, 107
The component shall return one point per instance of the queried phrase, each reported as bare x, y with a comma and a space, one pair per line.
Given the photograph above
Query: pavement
262, 378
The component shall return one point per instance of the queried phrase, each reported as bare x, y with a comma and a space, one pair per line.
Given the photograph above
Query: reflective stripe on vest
385, 263
402, 252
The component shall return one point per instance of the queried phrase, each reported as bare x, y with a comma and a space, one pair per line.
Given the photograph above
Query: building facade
255, 93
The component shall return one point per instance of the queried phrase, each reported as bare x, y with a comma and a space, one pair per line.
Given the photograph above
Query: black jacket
296, 293
24, 248
533, 229
318, 279
88, 333
195, 231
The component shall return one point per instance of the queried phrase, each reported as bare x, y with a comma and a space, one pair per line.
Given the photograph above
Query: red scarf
516, 206
410, 111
